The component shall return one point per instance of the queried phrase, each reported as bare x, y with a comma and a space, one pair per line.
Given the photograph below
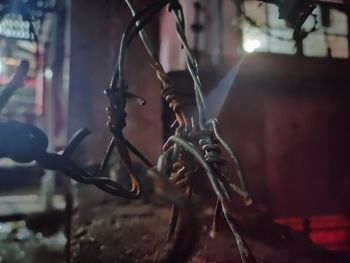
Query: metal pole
47, 189
66, 63
218, 33
68, 187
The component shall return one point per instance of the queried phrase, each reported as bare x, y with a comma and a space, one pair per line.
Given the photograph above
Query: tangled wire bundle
192, 151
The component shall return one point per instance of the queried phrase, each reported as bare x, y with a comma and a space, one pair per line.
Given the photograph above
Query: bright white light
48, 73
250, 45
2, 67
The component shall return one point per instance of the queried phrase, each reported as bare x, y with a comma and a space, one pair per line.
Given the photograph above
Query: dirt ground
109, 230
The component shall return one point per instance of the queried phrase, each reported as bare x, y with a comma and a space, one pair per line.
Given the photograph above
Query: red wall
286, 116
97, 28
288, 119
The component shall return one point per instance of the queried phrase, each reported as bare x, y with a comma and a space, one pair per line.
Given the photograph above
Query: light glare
48, 73
250, 45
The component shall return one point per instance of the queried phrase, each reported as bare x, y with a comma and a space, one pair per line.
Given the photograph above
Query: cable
191, 62
129, 35
143, 35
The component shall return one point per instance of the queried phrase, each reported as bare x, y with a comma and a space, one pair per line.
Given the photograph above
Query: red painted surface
330, 232
95, 46
291, 132
287, 117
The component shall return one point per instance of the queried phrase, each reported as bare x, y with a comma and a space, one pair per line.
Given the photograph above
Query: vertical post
217, 33
239, 31
47, 189
299, 46
197, 28
66, 62
68, 184
347, 12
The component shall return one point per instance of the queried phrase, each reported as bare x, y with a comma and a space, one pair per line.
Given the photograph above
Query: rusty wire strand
212, 159
174, 101
118, 95
176, 144
186, 236
185, 241
117, 86
132, 30
221, 192
189, 57
144, 37
243, 189
211, 149
191, 62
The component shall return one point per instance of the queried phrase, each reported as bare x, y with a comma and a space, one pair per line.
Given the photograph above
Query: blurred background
283, 104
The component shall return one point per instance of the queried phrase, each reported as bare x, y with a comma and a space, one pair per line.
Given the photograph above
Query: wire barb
187, 136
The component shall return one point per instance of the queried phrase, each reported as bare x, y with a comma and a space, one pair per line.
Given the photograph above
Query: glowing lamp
250, 45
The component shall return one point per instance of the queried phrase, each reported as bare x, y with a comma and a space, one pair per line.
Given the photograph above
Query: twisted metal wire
191, 62
243, 189
144, 37
183, 243
213, 148
134, 27
184, 169
180, 173
118, 95
25, 143
20, 136
176, 144
173, 100
222, 194
185, 240
212, 151
212, 161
